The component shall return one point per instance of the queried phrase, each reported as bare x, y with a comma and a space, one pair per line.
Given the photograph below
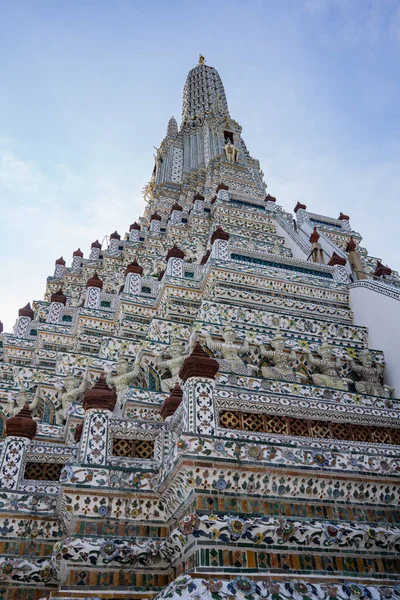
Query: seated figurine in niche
371, 374
231, 352
73, 391
126, 375
329, 367
283, 362
172, 360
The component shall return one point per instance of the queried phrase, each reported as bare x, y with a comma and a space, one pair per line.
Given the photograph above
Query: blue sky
88, 88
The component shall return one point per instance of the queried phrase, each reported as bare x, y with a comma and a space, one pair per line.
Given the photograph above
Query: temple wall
379, 312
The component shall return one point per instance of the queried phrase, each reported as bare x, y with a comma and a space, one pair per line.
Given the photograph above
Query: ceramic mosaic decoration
197, 410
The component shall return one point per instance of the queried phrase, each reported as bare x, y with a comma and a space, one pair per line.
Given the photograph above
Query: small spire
94, 281
175, 252
202, 60
198, 364
219, 234
171, 403
299, 206
335, 259
100, 396
22, 424
172, 129
351, 245
134, 267
59, 297
26, 311
176, 206
381, 270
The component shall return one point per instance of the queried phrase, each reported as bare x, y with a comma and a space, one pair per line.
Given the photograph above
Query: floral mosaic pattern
314, 458
244, 588
32, 572
120, 518
194, 529
287, 532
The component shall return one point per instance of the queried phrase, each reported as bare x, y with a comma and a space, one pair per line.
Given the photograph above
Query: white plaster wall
381, 314
297, 252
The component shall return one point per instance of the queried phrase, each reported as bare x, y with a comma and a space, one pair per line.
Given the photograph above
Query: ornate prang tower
205, 407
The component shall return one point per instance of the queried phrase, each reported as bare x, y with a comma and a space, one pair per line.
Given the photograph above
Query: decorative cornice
379, 287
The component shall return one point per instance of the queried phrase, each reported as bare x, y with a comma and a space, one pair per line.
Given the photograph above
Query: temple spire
172, 129
203, 88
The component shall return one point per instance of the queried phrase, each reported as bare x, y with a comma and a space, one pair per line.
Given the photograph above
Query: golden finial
201, 59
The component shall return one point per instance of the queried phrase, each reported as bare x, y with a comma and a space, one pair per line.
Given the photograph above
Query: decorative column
58, 300
174, 258
198, 375
176, 214
95, 250
25, 316
134, 232
198, 203
98, 404
220, 244
155, 224
20, 430
299, 212
171, 403
316, 249
93, 289
114, 242
355, 260
133, 282
59, 268
345, 220
77, 260
222, 192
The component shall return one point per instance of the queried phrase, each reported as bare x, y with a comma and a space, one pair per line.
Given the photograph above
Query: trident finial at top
201, 59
